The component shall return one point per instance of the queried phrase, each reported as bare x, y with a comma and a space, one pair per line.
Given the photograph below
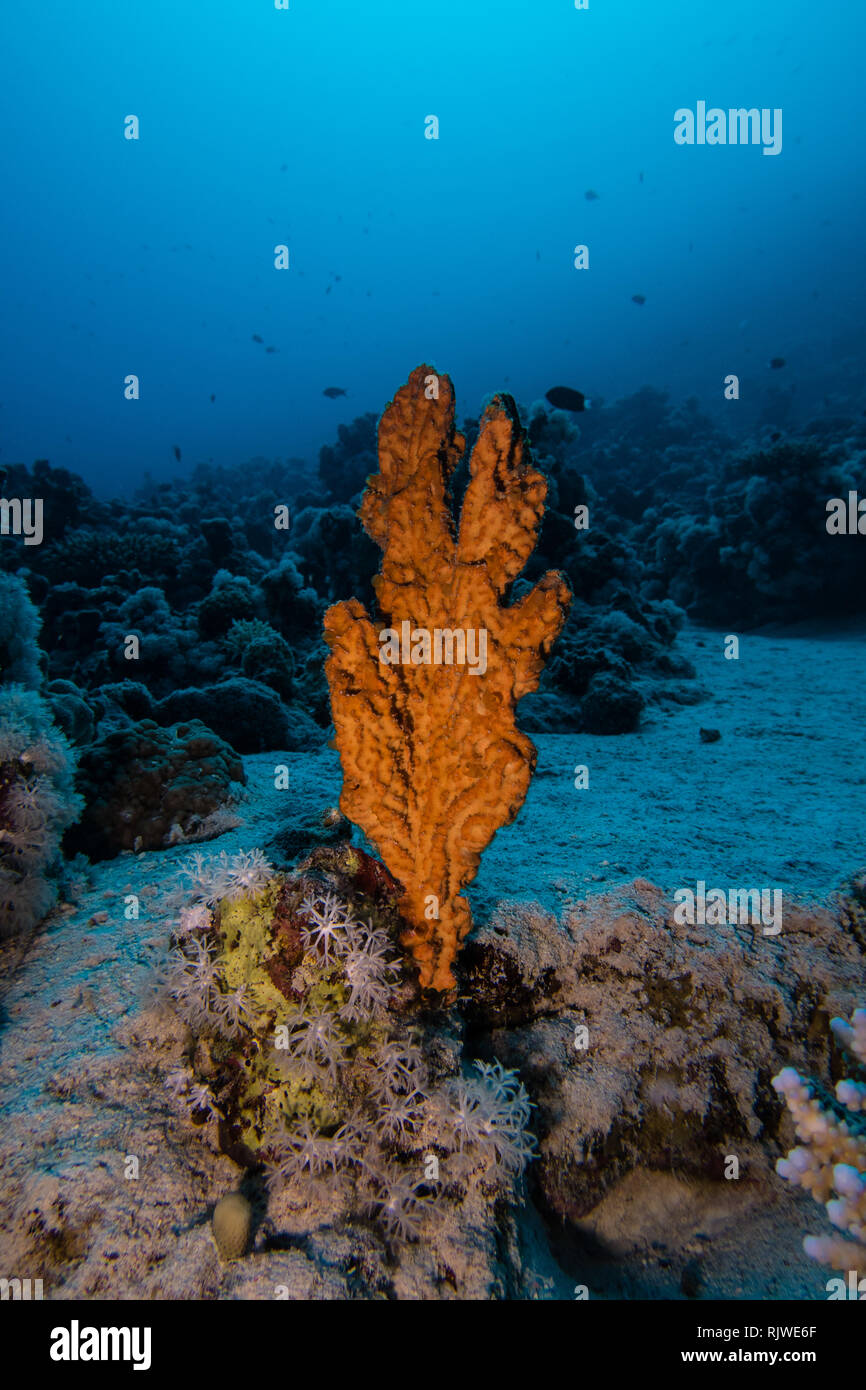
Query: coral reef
232, 597
432, 759
244, 713
679, 513
19, 631
295, 609
147, 787
262, 654
345, 466
37, 803
684, 1026
72, 712
830, 1163
308, 1066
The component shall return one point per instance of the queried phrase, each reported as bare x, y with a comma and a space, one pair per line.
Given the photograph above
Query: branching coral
831, 1162
433, 761
306, 1065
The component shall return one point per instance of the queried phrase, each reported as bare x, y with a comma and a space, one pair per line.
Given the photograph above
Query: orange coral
433, 762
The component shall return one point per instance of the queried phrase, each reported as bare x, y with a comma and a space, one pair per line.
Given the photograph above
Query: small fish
710, 735
270, 349
257, 339
328, 290
212, 399
777, 434
332, 392
591, 196
564, 398
638, 299
176, 452
777, 362
640, 176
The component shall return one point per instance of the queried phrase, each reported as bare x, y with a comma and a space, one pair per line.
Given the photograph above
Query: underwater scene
432, 616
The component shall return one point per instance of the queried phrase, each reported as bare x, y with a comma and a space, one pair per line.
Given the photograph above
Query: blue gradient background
155, 257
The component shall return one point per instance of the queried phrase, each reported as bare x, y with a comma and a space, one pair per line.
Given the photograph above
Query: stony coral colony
306, 1059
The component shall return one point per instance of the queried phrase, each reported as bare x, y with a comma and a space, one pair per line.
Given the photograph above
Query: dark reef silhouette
228, 609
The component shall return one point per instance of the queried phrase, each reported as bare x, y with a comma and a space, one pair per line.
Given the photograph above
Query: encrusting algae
433, 762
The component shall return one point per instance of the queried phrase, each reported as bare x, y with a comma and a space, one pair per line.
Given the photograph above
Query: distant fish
270, 349
777, 362
176, 452
638, 299
640, 176
775, 435
564, 398
332, 392
212, 399
257, 339
710, 735
591, 196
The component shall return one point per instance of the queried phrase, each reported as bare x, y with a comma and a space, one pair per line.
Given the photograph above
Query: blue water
306, 127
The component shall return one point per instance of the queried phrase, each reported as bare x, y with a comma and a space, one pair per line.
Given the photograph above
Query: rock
247, 714
232, 1222
686, 1026
144, 784
611, 705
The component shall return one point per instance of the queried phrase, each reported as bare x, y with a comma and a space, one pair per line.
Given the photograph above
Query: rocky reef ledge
636, 1116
